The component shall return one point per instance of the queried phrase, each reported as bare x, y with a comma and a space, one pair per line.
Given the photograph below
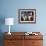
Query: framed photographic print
27, 15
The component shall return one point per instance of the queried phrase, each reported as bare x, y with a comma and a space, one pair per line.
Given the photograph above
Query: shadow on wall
2, 21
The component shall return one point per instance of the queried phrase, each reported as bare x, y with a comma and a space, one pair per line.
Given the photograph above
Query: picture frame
27, 15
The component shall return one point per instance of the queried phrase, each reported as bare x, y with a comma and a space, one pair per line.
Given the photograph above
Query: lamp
9, 21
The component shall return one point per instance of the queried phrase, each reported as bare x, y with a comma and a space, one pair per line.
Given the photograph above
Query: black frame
27, 15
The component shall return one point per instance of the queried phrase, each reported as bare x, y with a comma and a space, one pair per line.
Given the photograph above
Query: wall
9, 8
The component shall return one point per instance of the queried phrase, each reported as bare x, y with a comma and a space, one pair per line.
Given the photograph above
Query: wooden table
20, 39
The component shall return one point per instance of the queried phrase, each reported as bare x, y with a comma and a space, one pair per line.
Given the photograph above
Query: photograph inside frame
27, 16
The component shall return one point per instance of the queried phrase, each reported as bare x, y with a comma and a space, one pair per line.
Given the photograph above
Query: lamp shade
9, 21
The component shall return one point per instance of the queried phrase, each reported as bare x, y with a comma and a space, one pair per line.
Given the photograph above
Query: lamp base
9, 33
